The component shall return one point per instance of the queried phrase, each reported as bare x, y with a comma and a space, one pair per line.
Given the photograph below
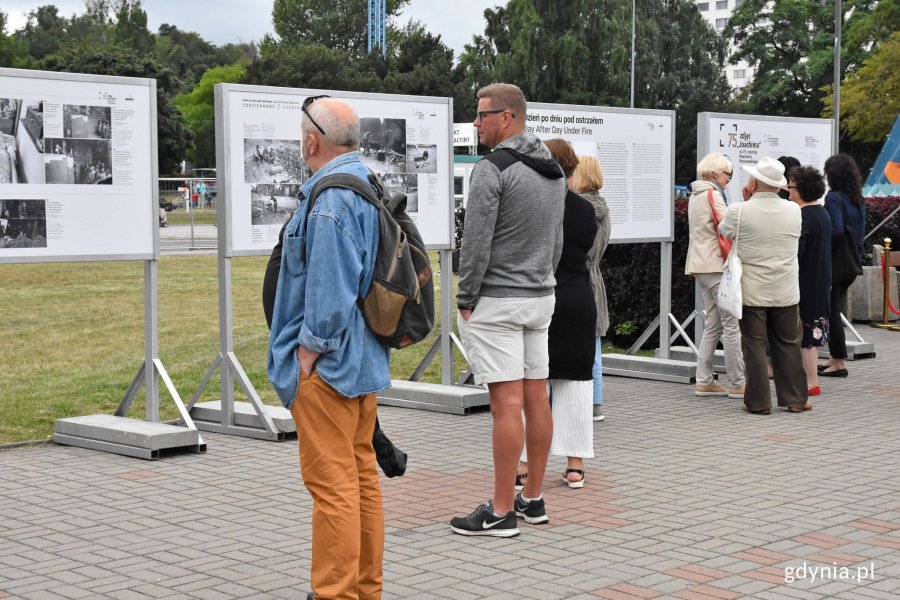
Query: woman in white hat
767, 246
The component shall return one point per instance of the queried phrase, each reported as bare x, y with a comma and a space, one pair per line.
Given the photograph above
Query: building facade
717, 13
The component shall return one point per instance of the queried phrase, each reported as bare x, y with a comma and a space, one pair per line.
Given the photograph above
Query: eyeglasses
727, 173
309, 100
481, 114
792, 187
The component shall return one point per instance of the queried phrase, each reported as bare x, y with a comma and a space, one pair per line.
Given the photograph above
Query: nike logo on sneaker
487, 525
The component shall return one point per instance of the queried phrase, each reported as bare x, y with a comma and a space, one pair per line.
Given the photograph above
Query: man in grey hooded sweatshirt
511, 245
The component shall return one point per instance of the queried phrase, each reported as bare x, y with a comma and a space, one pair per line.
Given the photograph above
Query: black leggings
837, 343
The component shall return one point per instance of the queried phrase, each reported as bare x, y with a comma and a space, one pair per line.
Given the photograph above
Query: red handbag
724, 243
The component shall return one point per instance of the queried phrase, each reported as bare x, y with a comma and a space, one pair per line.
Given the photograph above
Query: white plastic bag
730, 298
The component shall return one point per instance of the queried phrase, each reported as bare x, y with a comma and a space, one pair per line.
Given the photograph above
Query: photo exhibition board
77, 170
635, 148
747, 138
404, 139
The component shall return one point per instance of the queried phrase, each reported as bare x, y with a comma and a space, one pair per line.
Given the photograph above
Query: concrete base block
122, 435
646, 367
855, 350
244, 416
458, 400
865, 298
685, 354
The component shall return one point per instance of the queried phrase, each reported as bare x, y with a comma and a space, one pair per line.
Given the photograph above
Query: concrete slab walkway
688, 498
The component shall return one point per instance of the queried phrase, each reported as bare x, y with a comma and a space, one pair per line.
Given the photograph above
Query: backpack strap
503, 158
350, 182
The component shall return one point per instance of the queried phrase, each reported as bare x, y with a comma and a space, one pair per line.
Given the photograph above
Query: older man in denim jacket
324, 362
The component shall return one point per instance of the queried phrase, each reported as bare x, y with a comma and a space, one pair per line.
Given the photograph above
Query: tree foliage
334, 24
790, 45
579, 52
198, 108
870, 96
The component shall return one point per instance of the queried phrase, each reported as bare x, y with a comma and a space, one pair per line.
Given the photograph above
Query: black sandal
520, 481
574, 484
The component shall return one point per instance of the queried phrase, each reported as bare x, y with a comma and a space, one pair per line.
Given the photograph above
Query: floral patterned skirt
815, 333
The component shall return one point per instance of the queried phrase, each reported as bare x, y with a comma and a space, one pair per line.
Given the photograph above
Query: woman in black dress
571, 334
806, 186
847, 209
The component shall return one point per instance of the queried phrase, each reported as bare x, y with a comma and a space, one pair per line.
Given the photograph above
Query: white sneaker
713, 389
598, 412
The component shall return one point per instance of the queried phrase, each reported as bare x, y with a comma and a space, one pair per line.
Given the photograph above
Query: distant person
789, 163
587, 180
705, 261
511, 245
814, 257
847, 209
769, 234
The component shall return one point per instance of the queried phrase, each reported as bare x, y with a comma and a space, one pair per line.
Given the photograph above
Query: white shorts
506, 338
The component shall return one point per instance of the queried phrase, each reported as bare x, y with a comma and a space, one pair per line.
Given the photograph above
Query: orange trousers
338, 466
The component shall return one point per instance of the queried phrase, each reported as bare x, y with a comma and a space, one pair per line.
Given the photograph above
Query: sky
226, 21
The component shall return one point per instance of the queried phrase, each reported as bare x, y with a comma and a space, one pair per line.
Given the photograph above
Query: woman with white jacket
706, 208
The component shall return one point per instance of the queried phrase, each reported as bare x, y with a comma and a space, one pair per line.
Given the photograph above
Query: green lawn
73, 337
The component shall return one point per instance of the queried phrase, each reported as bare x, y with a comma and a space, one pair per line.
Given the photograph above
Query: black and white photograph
274, 161
382, 144
9, 115
406, 184
21, 160
23, 224
87, 122
69, 161
273, 203
421, 158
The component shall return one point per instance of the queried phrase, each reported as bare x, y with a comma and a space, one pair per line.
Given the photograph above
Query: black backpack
399, 308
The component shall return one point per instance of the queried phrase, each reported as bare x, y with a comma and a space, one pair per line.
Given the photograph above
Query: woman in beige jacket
704, 263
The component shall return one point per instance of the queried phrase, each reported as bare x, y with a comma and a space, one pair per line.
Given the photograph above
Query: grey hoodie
512, 239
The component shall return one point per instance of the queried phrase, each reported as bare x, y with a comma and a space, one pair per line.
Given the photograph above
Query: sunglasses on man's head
309, 100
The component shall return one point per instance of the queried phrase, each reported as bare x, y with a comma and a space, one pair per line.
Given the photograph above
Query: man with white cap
767, 246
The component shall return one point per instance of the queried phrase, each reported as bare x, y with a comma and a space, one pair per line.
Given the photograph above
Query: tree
334, 24
11, 50
870, 96
45, 32
578, 52
198, 108
173, 137
419, 63
131, 27
790, 45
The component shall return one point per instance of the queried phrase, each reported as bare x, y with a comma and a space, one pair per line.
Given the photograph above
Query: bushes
877, 209
631, 273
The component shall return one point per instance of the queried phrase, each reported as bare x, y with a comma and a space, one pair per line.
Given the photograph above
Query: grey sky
224, 21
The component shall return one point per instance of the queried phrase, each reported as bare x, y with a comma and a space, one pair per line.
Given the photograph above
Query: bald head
340, 125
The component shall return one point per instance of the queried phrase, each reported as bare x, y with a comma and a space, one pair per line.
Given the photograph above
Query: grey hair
339, 132
711, 164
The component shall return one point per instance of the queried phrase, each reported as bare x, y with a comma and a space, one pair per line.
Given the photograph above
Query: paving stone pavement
687, 498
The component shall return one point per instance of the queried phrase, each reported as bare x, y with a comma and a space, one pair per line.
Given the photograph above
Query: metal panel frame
156, 370
703, 120
226, 361
153, 218
223, 128
630, 111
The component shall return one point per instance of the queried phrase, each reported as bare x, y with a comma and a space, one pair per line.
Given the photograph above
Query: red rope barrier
884, 277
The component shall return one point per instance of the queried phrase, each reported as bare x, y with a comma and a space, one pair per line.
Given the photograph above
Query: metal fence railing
188, 215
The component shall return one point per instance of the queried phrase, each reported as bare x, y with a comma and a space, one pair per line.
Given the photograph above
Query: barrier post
886, 263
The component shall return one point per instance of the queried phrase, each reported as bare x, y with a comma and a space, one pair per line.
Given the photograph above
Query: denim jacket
326, 265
